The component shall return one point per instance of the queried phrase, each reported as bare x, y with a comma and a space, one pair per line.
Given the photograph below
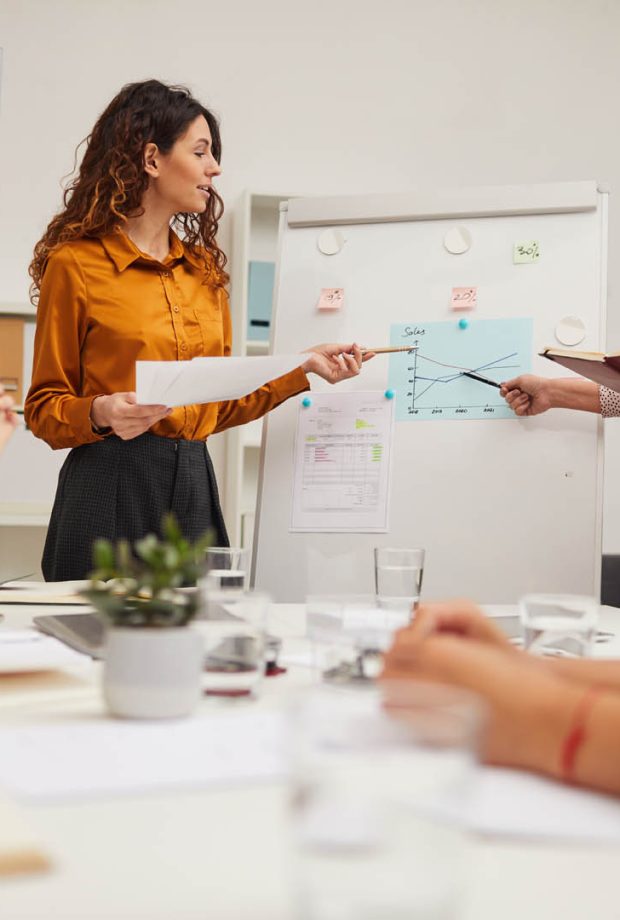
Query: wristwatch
95, 428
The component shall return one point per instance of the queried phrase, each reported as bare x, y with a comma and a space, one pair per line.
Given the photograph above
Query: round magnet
331, 242
306, 402
463, 323
389, 394
571, 330
457, 240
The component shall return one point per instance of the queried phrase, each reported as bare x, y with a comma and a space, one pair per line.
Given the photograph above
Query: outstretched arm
531, 395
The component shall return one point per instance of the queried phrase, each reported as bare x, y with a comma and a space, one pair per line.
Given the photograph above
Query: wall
337, 96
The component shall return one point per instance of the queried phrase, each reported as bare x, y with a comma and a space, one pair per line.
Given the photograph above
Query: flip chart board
502, 505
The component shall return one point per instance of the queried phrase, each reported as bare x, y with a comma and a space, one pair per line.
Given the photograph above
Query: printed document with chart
341, 478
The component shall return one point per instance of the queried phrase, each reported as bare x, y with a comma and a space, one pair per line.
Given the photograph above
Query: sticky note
464, 298
527, 251
331, 299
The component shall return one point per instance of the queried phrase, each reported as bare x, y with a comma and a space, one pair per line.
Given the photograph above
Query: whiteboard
502, 506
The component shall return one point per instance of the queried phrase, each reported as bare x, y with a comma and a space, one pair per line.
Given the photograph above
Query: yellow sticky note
464, 298
527, 251
331, 299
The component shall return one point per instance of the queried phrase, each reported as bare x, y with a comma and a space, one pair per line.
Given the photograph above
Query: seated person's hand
459, 617
529, 708
335, 362
527, 394
8, 418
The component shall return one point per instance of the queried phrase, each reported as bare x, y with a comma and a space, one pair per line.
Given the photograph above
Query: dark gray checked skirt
117, 488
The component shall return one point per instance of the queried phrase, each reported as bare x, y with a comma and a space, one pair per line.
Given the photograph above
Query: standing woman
114, 285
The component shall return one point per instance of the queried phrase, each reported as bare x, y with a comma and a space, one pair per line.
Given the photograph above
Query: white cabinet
254, 248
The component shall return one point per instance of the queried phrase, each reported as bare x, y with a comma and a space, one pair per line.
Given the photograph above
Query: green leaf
103, 555
140, 587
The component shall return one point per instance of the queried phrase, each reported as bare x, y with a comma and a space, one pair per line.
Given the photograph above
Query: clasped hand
455, 643
527, 394
121, 413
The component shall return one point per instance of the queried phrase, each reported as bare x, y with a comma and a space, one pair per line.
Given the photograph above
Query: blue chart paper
429, 382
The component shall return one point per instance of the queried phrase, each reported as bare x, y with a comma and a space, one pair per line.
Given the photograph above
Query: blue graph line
449, 378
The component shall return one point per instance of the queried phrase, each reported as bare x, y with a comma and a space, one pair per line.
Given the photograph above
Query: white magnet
457, 240
331, 242
571, 330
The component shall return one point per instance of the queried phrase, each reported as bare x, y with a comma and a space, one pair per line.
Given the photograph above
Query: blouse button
183, 346
176, 309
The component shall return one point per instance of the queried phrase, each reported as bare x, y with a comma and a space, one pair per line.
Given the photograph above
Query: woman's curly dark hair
111, 179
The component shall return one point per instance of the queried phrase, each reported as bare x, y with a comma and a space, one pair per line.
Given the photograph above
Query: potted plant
153, 661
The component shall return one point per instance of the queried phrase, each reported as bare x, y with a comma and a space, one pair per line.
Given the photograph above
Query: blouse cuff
610, 402
79, 420
291, 384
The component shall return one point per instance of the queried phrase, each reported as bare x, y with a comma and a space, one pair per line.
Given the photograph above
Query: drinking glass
224, 579
369, 765
349, 634
235, 645
562, 625
227, 567
398, 577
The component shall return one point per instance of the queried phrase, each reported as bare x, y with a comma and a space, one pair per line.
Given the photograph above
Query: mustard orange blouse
105, 305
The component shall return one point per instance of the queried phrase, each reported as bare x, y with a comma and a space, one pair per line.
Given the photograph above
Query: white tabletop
223, 854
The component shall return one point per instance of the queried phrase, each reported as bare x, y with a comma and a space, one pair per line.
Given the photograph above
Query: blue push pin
306, 402
463, 323
389, 394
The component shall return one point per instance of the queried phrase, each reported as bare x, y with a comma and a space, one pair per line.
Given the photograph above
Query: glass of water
235, 643
227, 567
349, 635
225, 578
563, 625
374, 770
398, 577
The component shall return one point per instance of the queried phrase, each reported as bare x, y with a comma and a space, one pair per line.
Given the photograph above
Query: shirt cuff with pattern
610, 402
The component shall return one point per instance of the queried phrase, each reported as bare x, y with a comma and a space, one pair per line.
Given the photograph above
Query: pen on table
480, 379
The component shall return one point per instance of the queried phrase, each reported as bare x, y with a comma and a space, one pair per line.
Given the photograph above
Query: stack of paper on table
207, 380
43, 592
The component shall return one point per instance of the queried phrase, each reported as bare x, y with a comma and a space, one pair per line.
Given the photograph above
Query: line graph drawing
430, 382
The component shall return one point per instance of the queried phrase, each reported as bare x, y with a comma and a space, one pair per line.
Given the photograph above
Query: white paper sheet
342, 463
207, 380
517, 804
96, 757
24, 651
92, 758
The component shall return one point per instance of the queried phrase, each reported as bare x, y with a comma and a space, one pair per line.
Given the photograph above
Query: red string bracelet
576, 734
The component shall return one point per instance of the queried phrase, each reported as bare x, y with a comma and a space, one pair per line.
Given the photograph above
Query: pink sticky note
331, 299
464, 298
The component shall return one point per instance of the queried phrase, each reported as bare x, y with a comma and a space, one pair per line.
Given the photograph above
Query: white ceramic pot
152, 673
